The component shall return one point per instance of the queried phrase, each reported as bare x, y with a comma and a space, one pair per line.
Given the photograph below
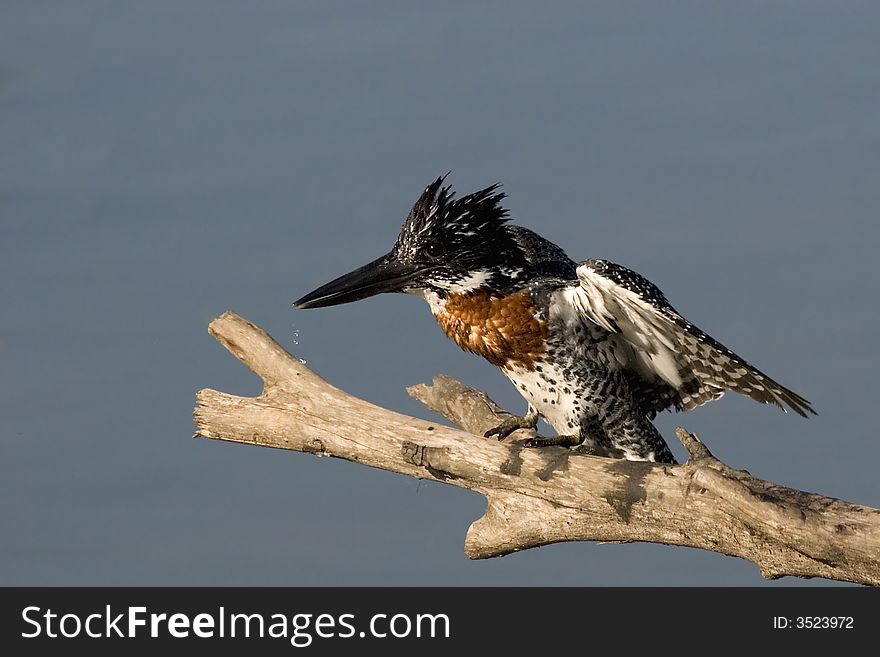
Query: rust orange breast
505, 331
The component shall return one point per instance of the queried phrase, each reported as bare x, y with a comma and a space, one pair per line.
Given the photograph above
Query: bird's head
446, 245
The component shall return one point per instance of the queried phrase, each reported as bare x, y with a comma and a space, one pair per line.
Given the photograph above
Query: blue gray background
162, 162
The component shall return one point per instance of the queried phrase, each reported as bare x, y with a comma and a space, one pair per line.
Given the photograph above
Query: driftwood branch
541, 496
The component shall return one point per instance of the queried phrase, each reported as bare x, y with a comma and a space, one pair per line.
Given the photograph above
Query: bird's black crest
438, 217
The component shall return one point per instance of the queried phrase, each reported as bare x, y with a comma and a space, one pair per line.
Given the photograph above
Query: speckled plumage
595, 348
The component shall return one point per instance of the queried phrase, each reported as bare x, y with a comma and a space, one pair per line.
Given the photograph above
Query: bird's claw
510, 425
552, 441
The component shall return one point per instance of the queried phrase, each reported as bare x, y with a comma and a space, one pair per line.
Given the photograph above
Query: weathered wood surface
541, 496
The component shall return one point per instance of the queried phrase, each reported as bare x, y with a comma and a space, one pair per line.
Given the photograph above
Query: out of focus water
162, 162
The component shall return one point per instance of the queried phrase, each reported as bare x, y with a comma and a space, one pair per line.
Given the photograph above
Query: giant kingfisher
596, 349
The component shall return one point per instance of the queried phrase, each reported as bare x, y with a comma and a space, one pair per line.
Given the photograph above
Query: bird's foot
553, 441
511, 424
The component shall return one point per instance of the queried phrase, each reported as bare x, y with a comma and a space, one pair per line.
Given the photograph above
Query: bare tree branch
541, 496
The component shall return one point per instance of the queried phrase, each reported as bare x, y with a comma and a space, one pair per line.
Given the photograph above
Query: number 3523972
813, 623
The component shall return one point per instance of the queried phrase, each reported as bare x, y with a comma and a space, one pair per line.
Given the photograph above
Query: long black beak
386, 274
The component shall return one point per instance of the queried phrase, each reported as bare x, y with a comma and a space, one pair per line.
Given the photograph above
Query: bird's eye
434, 249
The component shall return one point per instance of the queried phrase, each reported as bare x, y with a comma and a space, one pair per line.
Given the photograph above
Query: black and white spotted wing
678, 364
